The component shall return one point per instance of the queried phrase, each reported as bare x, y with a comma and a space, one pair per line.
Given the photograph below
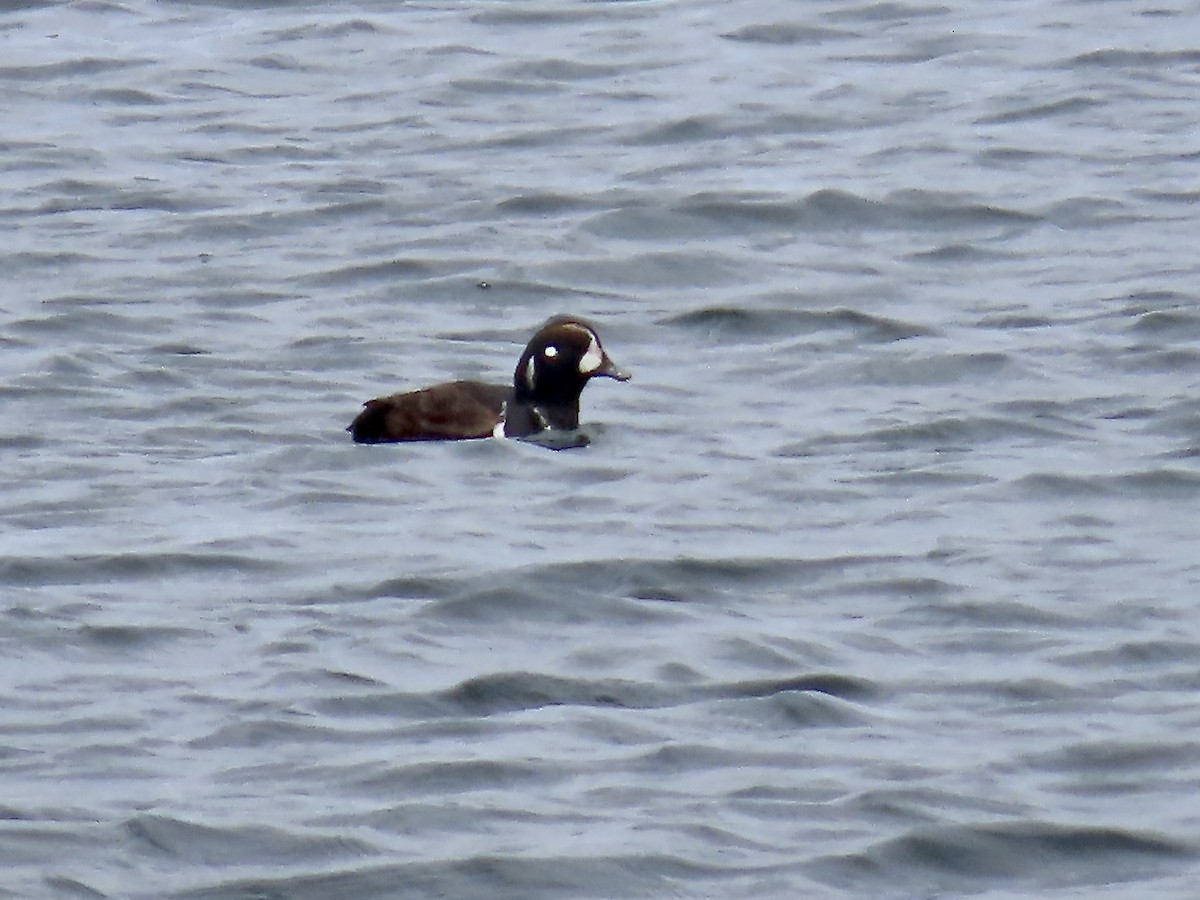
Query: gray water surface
878, 580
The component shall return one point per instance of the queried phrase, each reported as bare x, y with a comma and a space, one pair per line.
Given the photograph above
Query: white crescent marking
591, 360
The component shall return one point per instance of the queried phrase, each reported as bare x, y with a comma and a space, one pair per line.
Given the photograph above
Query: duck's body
445, 412
544, 397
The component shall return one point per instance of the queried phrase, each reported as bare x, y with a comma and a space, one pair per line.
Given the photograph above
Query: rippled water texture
878, 580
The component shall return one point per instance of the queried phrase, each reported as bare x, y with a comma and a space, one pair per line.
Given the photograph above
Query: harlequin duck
542, 404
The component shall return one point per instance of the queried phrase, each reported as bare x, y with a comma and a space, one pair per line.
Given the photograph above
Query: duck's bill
609, 369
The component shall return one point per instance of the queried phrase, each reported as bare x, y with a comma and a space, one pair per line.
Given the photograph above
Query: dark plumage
543, 399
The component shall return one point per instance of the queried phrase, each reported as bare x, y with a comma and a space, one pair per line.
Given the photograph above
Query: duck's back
455, 411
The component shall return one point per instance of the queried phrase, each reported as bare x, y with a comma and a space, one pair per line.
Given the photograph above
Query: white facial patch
550, 352
591, 360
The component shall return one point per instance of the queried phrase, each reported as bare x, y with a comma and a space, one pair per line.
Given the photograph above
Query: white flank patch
591, 360
530, 370
498, 431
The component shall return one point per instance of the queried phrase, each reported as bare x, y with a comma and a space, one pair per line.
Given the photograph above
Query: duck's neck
527, 415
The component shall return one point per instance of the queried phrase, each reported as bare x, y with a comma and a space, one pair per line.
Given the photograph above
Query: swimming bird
541, 404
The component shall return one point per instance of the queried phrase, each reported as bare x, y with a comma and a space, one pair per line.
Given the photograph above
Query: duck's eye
550, 352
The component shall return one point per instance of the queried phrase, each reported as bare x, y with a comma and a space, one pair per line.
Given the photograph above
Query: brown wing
444, 412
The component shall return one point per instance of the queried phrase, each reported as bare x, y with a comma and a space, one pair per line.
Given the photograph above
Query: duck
541, 404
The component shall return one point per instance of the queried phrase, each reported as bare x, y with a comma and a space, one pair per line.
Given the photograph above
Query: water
878, 579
